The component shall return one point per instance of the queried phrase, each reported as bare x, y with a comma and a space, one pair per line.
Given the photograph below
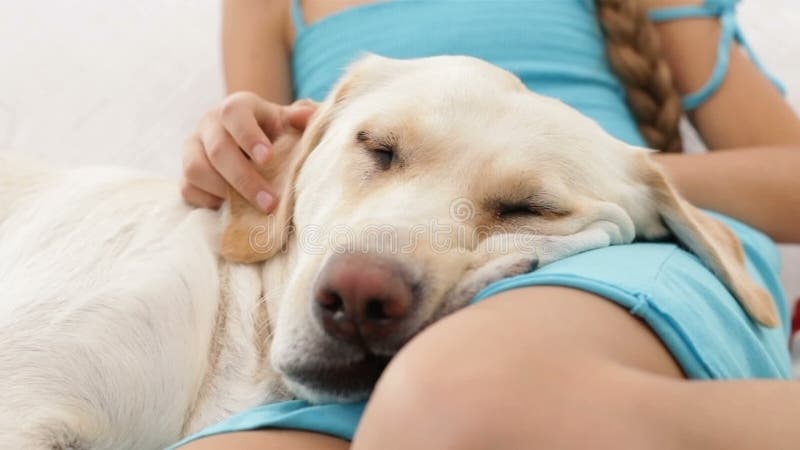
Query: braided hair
634, 52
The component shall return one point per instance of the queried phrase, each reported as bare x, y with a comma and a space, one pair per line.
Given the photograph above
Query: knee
431, 397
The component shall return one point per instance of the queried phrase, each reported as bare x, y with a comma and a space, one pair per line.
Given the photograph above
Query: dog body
122, 327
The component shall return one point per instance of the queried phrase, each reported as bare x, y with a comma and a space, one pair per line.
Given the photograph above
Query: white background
124, 81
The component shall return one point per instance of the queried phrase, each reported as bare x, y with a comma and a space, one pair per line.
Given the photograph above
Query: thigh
521, 325
517, 367
688, 308
551, 367
268, 440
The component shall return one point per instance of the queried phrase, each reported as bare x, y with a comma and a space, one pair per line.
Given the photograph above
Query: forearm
759, 186
747, 110
255, 48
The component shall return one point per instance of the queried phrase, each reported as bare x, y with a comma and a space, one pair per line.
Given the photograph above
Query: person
603, 349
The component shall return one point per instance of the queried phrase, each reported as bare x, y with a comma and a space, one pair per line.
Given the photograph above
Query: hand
229, 142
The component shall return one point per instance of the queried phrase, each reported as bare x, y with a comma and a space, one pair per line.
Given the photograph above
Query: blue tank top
555, 47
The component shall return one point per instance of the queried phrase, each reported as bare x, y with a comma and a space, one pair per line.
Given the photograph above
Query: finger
305, 102
271, 118
274, 119
299, 113
198, 197
268, 115
199, 171
238, 171
238, 117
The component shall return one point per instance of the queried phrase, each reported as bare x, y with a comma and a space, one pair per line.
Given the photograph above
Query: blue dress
556, 48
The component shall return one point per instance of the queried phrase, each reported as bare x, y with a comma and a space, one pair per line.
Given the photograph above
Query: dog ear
716, 245
252, 236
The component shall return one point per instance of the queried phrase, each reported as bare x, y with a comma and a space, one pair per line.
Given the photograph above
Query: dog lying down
128, 320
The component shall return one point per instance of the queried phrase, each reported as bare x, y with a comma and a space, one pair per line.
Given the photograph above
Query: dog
129, 320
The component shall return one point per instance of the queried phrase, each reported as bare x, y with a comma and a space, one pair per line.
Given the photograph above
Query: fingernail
265, 201
260, 153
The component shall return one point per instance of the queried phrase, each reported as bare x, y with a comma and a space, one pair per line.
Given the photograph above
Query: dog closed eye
531, 207
382, 150
384, 157
504, 211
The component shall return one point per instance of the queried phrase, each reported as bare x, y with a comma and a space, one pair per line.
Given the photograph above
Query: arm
759, 186
255, 48
753, 179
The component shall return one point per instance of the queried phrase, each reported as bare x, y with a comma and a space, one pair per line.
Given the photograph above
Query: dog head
417, 183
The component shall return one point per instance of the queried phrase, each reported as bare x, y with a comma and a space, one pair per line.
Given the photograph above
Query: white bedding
123, 82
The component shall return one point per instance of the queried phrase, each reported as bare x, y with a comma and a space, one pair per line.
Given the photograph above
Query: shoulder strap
297, 17
725, 10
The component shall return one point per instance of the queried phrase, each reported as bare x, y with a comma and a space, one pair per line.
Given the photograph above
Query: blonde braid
634, 53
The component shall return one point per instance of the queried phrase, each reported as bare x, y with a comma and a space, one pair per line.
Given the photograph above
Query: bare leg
268, 440
556, 368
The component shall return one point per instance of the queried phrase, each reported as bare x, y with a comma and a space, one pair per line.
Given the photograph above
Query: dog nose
363, 298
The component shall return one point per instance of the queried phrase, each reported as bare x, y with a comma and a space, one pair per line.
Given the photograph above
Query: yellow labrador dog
128, 320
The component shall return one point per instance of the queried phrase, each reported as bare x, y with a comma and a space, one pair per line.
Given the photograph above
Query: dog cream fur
123, 327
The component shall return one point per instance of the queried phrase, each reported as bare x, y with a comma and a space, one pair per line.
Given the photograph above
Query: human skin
596, 376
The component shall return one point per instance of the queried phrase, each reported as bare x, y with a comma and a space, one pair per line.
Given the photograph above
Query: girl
594, 350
